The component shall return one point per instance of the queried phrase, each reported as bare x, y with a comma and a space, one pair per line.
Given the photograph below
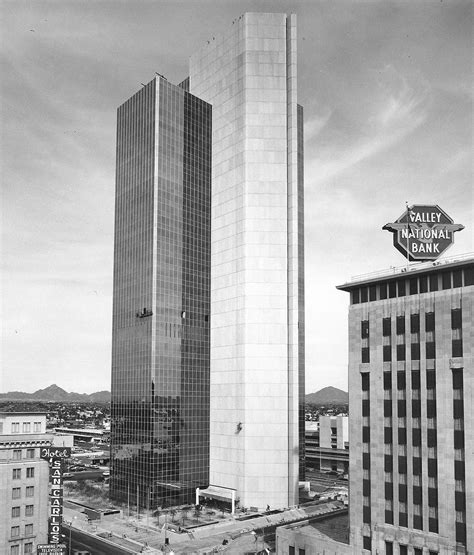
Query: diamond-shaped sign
423, 232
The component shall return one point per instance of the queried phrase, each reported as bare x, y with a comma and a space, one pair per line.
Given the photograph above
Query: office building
248, 74
160, 339
24, 482
411, 392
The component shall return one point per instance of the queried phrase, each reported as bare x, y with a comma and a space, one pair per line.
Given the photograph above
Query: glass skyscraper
208, 329
161, 302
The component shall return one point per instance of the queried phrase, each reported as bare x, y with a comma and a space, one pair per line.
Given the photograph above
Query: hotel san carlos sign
423, 232
56, 457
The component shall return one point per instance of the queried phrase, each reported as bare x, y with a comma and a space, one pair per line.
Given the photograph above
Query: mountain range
56, 393
328, 396
325, 396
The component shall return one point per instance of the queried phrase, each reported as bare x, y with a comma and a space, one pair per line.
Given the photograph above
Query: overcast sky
387, 89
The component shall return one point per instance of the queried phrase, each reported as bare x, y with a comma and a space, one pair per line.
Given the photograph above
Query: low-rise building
327, 443
309, 538
24, 482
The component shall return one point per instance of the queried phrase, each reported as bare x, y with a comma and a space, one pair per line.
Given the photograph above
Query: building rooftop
18, 413
411, 269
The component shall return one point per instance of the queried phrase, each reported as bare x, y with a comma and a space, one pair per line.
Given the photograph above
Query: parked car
67, 475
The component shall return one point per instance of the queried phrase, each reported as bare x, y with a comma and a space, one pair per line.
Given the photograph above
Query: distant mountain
56, 393
328, 396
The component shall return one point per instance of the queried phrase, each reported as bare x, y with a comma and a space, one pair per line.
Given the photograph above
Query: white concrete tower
248, 74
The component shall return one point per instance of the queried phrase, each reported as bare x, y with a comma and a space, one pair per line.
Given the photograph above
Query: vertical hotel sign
56, 458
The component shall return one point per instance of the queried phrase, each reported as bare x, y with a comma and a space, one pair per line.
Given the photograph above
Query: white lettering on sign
429, 218
427, 233
431, 248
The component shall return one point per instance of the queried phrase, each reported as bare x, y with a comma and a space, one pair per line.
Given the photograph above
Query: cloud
398, 108
314, 125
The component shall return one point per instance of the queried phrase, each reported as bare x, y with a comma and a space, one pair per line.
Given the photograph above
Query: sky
387, 90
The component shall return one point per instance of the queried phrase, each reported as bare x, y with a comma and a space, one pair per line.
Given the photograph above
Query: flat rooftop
18, 413
409, 270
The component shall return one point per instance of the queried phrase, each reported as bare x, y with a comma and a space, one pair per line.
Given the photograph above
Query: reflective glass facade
160, 352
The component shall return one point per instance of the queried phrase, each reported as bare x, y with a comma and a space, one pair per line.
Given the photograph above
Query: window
365, 358
30, 453
367, 542
415, 323
28, 529
37, 427
401, 352
291, 550
400, 325
430, 349
387, 380
26, 427
15, 512
413, 286
15, 427
457, 348
30, 491
15, 532
457, 278
387, 353
430, 379
401, 288
355, 300
434, 283
457, 379
16, 493
30, 472
469, 276
365, 434
415, 351
28, 548
429, 321
403, 550
392, 289
16, 474
365, 381
363, 295
15, 550
456, 318
29, 510
423, 284
301, 551
373, 293
365, 461
388, 548
446, 280
16, 454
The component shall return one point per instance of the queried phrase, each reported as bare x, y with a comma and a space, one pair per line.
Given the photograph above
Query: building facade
248, 74
24, 482
327, 444
411, 392
161, 312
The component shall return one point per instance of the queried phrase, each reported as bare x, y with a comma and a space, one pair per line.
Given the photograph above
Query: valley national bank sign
423, 232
